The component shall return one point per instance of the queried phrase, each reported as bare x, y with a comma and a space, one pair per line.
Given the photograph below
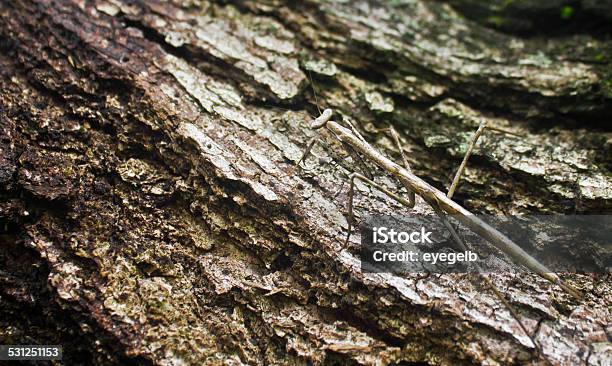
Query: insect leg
472, 143
307, 151
354, 130
359, 161
468, 153
398, 145
349, 219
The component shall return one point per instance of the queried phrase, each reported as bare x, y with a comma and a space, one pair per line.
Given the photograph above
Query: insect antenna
314, 91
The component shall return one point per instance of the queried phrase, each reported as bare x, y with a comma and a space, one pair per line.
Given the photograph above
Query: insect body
434, 197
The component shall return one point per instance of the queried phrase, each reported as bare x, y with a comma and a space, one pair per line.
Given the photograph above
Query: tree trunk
152, 210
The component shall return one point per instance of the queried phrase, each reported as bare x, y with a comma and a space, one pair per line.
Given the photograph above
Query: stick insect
442, 204
434, 197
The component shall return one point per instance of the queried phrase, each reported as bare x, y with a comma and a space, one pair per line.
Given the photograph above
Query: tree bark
152, 211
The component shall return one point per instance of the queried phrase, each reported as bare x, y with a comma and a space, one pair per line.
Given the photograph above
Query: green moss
600, 57
567, 12
606, 87
606, 83
437, 141
398, 3
496, 20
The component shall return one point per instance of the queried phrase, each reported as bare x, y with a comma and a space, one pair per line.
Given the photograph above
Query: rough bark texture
152, 211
